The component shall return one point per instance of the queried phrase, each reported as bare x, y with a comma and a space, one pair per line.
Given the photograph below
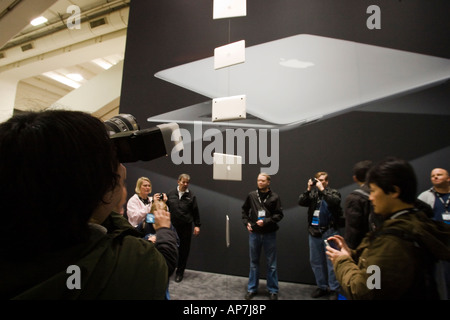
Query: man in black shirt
184, 211
261, 213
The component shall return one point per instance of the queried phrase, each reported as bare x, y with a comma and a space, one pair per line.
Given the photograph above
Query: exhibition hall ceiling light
62, 79
103, 63
74, 79
109, 61
38, 21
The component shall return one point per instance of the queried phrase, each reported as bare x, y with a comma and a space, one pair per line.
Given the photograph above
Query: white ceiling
58, 49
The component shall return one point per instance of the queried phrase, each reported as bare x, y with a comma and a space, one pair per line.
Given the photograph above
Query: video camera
134, 144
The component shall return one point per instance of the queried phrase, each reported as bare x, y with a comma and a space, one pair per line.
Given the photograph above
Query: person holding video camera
398, 260
324, 212
64, 240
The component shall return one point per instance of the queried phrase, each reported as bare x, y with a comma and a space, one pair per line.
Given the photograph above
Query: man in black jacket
261, 213
184, 211
358, 211
324, 212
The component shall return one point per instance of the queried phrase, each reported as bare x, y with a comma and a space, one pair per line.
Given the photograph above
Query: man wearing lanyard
261, 213
324, 210
438, 197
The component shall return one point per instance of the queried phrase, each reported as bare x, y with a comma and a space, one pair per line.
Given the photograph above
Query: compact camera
314, 181
332, 244
133, 144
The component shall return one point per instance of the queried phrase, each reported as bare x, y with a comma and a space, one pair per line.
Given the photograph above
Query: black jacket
357, 210
332, 198
272, 206
184, 210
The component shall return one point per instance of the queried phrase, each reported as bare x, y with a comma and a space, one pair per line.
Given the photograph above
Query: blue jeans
267, 242
320, 264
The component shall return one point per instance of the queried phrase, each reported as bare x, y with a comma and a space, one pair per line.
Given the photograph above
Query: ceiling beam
18, 15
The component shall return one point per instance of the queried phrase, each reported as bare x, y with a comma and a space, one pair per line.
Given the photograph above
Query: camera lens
121, 123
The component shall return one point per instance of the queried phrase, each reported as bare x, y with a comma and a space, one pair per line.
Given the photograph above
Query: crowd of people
395, 245
376, 219
405, 256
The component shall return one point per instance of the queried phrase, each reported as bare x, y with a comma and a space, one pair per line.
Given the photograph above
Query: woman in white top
140, 203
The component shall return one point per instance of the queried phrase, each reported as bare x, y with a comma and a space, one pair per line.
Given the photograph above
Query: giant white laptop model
302, 78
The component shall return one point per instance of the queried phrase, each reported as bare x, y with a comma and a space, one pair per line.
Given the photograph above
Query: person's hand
196, 231
161, 197
162, 219
319, 185
310, 184
152, 238
343, 250
260, 222
249, 227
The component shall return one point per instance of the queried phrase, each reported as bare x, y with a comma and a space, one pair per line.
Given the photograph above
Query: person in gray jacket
438, 198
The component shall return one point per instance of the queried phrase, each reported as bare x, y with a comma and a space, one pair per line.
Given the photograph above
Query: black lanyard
446, 203
259, 199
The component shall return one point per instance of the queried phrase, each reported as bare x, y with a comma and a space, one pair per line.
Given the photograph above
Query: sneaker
273, 296
319, 293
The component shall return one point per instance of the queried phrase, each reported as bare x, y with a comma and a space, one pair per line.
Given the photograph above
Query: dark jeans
268, 242
184, 231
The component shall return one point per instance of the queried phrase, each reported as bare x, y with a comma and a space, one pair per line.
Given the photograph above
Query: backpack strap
364, 193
